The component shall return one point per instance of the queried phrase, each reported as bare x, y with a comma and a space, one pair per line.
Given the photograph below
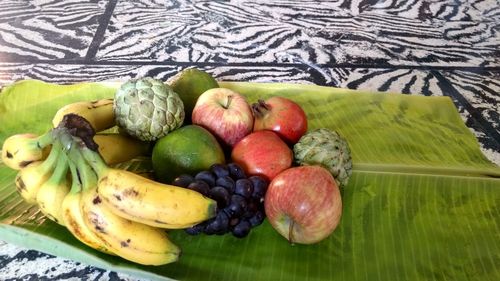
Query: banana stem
44, 140
61, 169
51, 161
82, 173
88, 176
76, 185
95, 160
87, 164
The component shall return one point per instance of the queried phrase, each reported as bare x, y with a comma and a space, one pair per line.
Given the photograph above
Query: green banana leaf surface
423, 202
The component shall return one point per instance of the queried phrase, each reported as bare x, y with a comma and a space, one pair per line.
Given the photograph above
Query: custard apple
326, 148
147, 109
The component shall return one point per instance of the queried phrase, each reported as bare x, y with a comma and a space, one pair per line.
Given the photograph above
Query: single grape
259, 187
223, 220
206, 176
257, 218
217, 225
199, 186
213, 227
236, 171
228, 212
252, 207
235, 209
227, 182
221, 195
242, 229
244, 188
234, 221
237, 206
196, 229
219, 170
183, 180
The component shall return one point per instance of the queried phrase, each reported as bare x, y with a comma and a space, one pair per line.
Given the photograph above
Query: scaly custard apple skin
326, 148
147, 109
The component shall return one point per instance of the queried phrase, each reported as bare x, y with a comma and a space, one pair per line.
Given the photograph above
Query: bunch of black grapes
240, 200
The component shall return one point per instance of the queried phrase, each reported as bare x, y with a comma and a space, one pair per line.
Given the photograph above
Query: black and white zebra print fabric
375, 32
47, 29
327, 32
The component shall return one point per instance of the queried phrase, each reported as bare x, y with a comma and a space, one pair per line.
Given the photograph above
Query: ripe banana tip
23, 164
177, 255
8, 154
212, 209
51, 217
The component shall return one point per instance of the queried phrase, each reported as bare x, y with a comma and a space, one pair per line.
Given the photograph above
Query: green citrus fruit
187, 150
189, 84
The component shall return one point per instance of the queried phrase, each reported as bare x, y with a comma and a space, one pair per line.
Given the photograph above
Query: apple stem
260, 108
229, 98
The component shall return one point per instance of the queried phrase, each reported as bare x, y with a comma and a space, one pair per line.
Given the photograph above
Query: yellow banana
118, 148
30, 179
18, 151
99, 113
73, 217
133, 241
143, 200
130, 240
52, 192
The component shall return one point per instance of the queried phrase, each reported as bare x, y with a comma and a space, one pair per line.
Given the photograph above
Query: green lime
189, 84
187, 150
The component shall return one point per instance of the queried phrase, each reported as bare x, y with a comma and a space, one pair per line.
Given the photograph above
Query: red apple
303, 204
262, 153
282, 116
225, 113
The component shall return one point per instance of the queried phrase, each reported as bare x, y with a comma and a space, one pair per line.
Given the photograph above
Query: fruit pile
221, 165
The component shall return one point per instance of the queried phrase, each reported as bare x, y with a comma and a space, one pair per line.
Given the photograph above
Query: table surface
422, 47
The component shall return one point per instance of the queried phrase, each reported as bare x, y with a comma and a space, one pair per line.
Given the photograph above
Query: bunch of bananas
111, 210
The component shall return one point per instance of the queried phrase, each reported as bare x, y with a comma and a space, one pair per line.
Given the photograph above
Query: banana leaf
423, 202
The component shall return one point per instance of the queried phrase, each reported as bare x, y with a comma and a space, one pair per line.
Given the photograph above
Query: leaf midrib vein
468, 172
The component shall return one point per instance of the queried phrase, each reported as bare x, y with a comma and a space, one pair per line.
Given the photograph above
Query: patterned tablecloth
417, 47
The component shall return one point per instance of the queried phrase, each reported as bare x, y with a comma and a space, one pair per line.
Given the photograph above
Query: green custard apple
147, 109
328, 149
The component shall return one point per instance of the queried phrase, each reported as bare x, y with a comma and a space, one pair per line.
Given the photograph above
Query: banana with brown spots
146, 201
133, 241
18, 151
73, 217
99, 113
